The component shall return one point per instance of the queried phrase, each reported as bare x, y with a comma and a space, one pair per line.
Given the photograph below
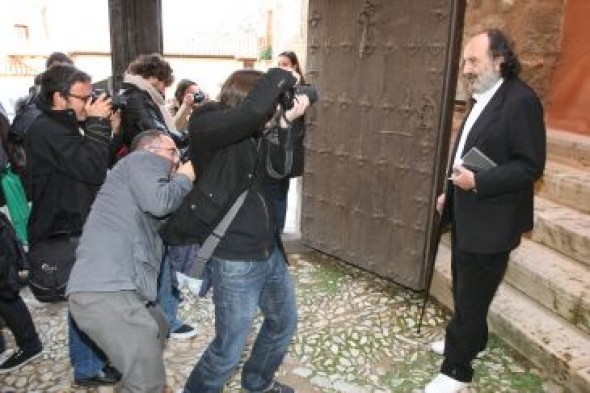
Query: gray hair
145, 139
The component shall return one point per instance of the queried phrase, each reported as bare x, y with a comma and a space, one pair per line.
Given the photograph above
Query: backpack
12, 260
50, 264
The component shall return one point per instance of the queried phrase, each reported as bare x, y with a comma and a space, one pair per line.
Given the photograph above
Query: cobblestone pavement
356, 334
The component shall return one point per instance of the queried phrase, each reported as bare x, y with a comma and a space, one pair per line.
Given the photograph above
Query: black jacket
511, 132
66, 170
140, 113
229, 155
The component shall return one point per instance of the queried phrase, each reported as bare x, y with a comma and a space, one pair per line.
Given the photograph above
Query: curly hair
152, 65
502, 46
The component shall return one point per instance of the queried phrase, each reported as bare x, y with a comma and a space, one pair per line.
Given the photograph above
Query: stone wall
534, 25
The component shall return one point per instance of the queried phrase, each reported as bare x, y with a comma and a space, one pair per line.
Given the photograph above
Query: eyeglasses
174, 152
83, 98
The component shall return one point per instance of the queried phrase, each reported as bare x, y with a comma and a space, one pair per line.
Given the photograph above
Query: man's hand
101, 107
187, 169
463, 178
440, 203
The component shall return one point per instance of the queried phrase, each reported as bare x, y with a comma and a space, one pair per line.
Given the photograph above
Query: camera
118, 101
286, 99
199, 97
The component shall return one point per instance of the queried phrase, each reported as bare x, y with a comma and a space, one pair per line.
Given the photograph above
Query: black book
476, 161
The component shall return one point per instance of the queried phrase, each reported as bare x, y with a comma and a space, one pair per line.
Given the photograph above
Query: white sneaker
439, 347
445, 384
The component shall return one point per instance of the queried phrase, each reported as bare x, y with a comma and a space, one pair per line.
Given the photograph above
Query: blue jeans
87, 359
239, 289
168, 294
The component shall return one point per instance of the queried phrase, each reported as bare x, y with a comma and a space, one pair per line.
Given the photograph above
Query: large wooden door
377, 139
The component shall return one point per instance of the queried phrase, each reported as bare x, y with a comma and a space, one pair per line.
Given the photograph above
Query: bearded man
489, 209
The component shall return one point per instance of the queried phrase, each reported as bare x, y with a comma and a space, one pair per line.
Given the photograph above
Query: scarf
156, 96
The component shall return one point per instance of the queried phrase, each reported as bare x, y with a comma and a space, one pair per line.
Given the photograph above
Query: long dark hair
295, 61
502, 46
181, 88
237, 86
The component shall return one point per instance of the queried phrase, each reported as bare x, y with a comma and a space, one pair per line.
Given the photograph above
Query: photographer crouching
235, 143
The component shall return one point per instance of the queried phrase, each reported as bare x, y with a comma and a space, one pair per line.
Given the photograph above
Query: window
22, 32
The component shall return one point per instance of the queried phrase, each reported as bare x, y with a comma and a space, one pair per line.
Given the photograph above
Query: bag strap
210, 244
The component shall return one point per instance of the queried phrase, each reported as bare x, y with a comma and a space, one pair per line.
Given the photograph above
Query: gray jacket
120, 248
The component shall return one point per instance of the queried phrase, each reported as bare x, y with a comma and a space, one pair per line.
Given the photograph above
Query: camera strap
210, 244
272, 136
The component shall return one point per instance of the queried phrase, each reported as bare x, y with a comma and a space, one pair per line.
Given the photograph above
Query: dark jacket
229, 154
66, 170
511, 132
140, 113
298, 131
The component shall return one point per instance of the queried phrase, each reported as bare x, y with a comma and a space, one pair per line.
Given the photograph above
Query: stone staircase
543, 307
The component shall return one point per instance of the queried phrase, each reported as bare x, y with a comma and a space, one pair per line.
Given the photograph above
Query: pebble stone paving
356, 334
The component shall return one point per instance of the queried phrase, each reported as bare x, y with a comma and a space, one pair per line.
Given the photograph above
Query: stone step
558, 283
547, 340
569, 148
563, 229
566, 185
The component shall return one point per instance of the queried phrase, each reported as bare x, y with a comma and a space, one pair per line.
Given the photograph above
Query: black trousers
476, 278
18, 319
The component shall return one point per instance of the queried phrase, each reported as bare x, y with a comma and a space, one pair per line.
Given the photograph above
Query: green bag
16, 201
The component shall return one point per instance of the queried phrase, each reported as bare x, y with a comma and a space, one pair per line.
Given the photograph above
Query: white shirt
481, 101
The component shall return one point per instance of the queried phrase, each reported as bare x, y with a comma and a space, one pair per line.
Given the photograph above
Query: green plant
266, 53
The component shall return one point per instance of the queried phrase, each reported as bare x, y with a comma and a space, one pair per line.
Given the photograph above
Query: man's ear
498, 61
58, 101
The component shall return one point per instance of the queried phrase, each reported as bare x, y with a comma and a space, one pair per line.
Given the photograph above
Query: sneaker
5, 355
18, 359
184, 331
278, 387
439, 348
445, 384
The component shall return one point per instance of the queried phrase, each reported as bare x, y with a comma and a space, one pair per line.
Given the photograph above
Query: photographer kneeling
248, 269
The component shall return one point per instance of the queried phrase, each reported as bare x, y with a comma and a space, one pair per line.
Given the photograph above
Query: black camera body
199, 97
118, 101
286, 99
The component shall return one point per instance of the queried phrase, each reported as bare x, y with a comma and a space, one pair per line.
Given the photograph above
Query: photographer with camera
67, 161
144, 86
278, 188
247, 269
187, 97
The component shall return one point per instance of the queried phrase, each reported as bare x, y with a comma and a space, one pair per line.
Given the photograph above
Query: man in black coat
489, 209
67, 150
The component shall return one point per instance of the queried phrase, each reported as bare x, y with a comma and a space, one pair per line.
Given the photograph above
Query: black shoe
18, 359
107, 376
278, 387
